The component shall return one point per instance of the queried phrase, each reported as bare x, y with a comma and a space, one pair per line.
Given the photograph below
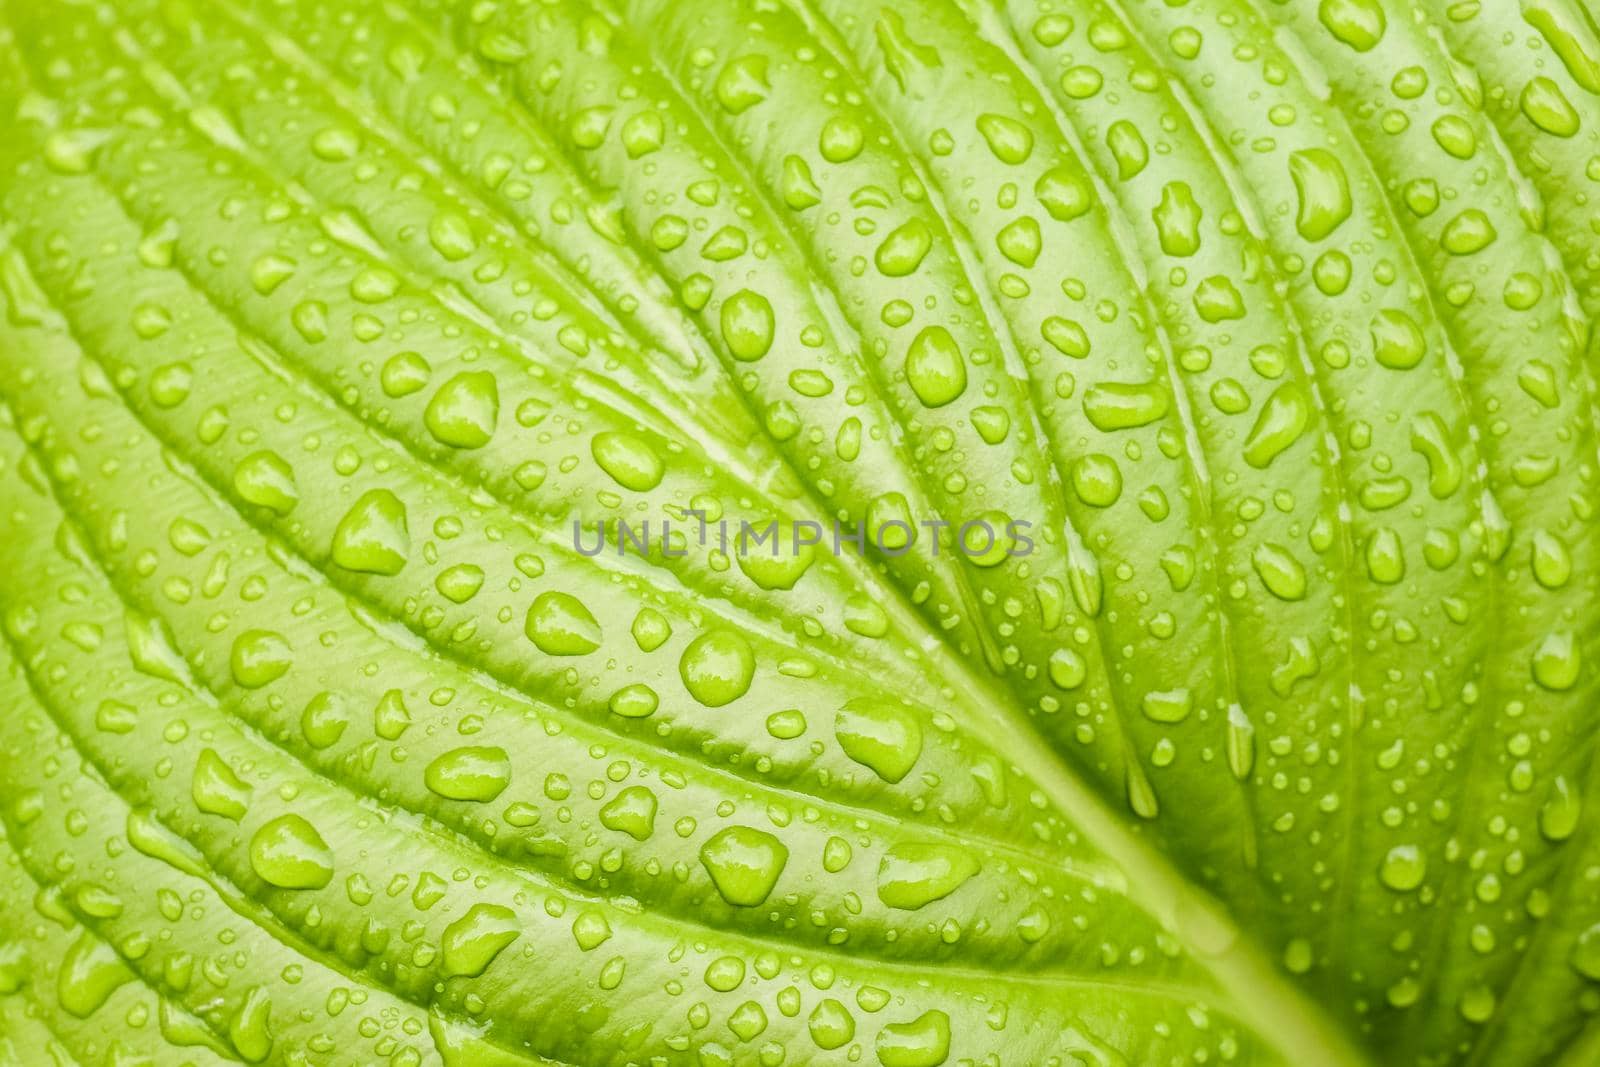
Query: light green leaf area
343, 343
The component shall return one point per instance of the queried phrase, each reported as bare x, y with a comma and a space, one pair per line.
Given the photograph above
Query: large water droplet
880, 736
472, 942
259, 657
289, 853
463, 413
1283, 418
90, 972
630, 462
1585, 957
922, 1042
1358, 23
264, 479
744, 864
1122, 406
935, 368
1557, 661
1323, 190
742, 84
903, 250
747, 325
1403, 868
558, 624
1279, 571
372, 538
216, 789
472, 772
632, 811
912, 875
1561, 810
717, 667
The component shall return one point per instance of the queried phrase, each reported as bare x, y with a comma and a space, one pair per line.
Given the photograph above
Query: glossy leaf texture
1130, 596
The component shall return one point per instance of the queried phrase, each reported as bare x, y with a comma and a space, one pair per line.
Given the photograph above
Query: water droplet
643, 133
841, 140
1279, 571
372, 538
799, 187
1009, 140
1585, 957
935, 368
831, 1025
463, 413
881, 737
1386, 561
472, 942
1217, 299
1241, 743
1298, 956
216, 789
1552, 564
1572, 34
1020, 241
744, 864
472, 772
559, 625
1468, 233
1557, 661
717, 667
1548, 108
742, 84
271, 271
1167, 706
324, 719
264, 479
259, 657
725, 973
1097, 480
1065, 192
912, 875
1561, 810
1067, 669
1323, 190
115, 717
632, 811
1177, 220
590, 929
650, 629
1358, 23
903, 250
1124, 406
1455, 135
1127, 147
923, 1042
1477, 1004
1403, 868
450, 233
786, 725
747, 325
460, 583
390, 717
289, 853
630, 462
90, 972
1283, 418
250, 1029
637, 701
773, 557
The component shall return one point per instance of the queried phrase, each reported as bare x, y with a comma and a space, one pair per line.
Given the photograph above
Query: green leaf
710, 532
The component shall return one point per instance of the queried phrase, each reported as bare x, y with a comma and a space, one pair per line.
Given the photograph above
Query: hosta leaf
621, 532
